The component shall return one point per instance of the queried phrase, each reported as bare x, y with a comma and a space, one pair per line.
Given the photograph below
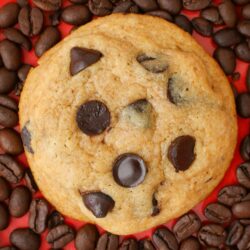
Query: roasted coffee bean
55, 219
8, 15
195, 4
4, 216
184, 23
25, 239
228, 13
7, 101
244, 27
212, 15
76, 14
163, 238
202, 26
39, 210
17, 36
48, 5
30, 182
55, 18
23, 72
146, 244
108, 242
127, 6
246, 11
5, 189
22, 3
100, 7
240, 2
245, 154
60, 236
218, 213
10, 141
48, 39
11, 55
241, 210
8, 80
227, 37
10, 169
234, 234
171, 6
30, 21
78, 1
226, 58
148, 5
19, 201
248, 79
212, 235
242, 51
86, 237
232, 194
243, 105
129, 244
244, 242
8, 248
190, 243
161, 13
186, 226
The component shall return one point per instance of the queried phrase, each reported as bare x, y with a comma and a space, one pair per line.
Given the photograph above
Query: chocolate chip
242, 51
4, 216
5, 189
148, 5
228, 13
161, 13
108, 242
146, 244
26, 138
100, 7
202, 26
181, 152
127, 6
48, 5
186, 226
190, 243
87, 237
93, 117
8, 80
171, 6
163, 238
246, 11
243, 105
76, 14
212, 15
129, 170
98, 203
156, 209
234, 234
184, 23
20, 200
60, 236
227, 37
81, 58
23, 72
55, 219
152, 64
48, 39
30, 182
25, 239
195, 4
8, 15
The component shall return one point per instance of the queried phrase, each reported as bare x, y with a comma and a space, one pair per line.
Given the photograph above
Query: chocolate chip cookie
127, 123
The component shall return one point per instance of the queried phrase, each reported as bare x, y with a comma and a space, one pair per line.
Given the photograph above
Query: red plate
244, 125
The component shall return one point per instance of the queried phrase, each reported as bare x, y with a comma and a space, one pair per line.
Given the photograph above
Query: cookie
127, 125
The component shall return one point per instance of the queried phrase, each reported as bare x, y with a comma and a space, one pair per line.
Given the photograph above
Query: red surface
244, 125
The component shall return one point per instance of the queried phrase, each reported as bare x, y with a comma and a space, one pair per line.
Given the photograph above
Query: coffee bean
8, 248
78, 1
55, 219
30, 182
25, 239
248, 79
5, 189
108, 242
9, 102
11, 55
10, 141
48, 5
195, 4
190, 243
23, 72
161, 13
129, 244
76, 14
26, 138
4, 216
228, 13
218, 213
148, 5
186, 226
202, 26
184, 23
39, 210
163, 238
226, 58
181, 152
100, 7
246, 11
240, 2
87, 237
234, 234
48, 39
8, 80
243, 105
212, 15
212, 235
244, 242
8, 15
241, 210
17, 36
30, 21
60, 236
19, 201
10, 169
127, 6
227, 37
171, 6
244, 27
243, 171
231, 194
22, 3
55, 18
242, 51
146, 244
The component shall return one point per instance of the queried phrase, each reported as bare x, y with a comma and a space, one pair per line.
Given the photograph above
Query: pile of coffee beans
228, 219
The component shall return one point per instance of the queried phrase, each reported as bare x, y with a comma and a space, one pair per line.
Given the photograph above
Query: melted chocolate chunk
156, 209
26, 138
